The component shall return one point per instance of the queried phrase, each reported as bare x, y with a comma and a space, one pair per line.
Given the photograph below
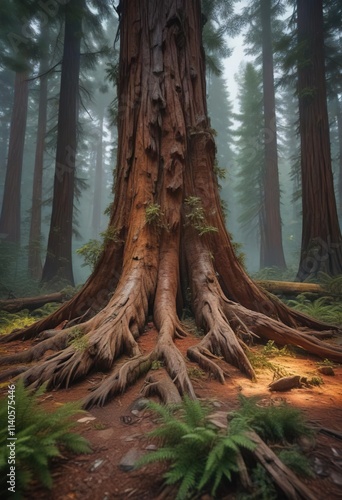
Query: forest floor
114, 430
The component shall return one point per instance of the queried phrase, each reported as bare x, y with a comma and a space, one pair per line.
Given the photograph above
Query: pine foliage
40, 435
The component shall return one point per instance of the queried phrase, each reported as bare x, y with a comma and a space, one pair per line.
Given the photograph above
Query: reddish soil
115, 430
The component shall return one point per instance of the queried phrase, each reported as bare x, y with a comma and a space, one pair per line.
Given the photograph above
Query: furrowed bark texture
168, 241
321, 237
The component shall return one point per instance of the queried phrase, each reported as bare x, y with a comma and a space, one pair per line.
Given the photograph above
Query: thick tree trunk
272, 253
34, 251
58, 263
169, 241
10, 214
321, 237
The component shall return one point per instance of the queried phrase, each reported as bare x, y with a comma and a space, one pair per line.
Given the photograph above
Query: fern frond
40, 435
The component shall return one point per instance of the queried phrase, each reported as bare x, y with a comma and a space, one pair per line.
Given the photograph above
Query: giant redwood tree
321, 237
168, 242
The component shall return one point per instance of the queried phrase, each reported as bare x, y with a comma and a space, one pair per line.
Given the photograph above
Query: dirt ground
114, 430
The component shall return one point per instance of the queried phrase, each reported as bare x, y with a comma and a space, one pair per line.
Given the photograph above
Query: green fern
39, 437
200, 455
274, 423
295, 460
332, 284
322, 309
275, 273
264, 487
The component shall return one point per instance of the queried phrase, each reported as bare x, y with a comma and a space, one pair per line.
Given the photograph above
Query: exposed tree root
133, 369
271, 329
113, 332
165, 155
99, 342
208, 297
55, 343
12, 372
163, 387
118, 381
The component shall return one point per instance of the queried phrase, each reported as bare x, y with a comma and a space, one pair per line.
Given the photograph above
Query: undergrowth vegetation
40, 437
259, 359
324, 308
327, 308
204, 458
15, 321
23, 318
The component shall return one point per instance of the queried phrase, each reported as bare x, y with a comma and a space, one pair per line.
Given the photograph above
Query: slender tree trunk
58, 263
4, 134
321, 237
34, 252
272, 253
7, 84
10, 214
169, 243
97, 200
339, 181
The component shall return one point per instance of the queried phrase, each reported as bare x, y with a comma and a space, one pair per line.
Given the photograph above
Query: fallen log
291, 287
275, 287
283, 477
31, 303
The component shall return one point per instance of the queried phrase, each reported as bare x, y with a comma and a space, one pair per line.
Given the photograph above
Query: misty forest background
33, 42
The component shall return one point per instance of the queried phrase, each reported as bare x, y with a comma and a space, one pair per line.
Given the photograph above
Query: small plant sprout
153, 214
78, 340
195, 216
271, 350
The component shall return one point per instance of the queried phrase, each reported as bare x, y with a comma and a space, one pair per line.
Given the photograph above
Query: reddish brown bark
34, 251
165, 156
271, 250
321, 237
10, 214
58, 263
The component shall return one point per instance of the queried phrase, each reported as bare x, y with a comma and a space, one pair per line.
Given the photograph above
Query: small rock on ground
129, 460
